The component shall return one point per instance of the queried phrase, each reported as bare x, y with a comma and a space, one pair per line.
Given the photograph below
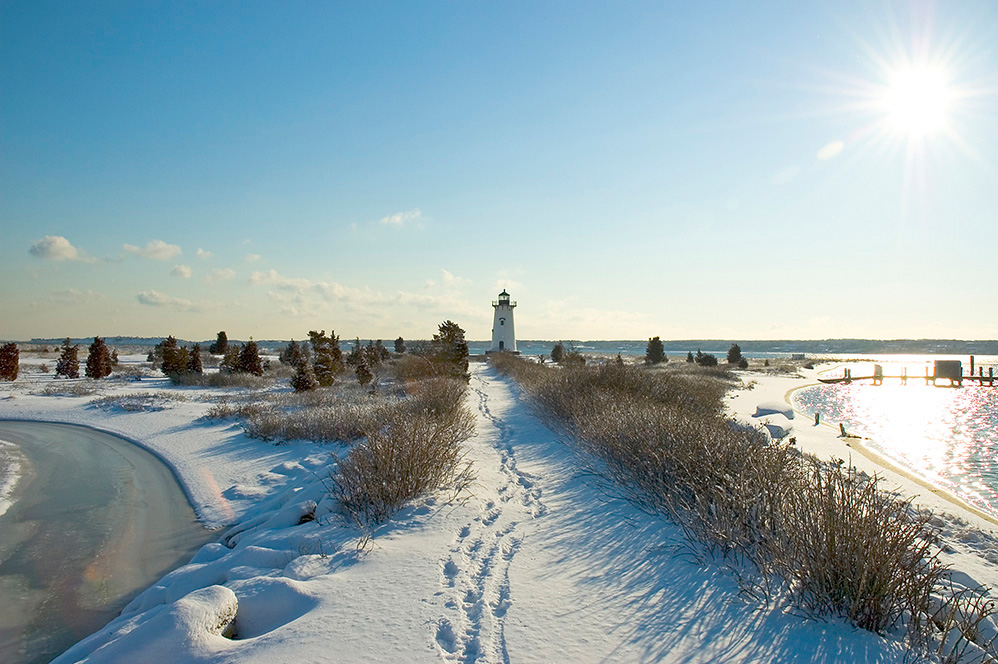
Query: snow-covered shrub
414, 452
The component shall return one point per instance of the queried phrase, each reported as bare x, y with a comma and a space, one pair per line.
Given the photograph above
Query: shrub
364, 375
9, 361
98, 360
412, 454
706, 359
743, 363
69, 361
689, 356
400, 345
654, 351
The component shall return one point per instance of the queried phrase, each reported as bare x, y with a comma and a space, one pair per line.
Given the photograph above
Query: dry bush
851, 548
70, 388
413, 367
139, 402
839, 544
411, 454
221, 379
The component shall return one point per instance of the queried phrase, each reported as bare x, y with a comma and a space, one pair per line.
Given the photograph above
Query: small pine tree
304, 378
220, 345
328, 356
69, 361
451, 349
558, 352
249, 359
734, 354
10, 358
363, 372
400, 345
654, 351
382, 352
620, 360
194, 360
230, 361
114, 357
689, 356
287, 355
98, 360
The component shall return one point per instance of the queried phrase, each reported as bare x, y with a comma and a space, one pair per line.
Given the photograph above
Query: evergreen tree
558, 352
400, 345
220, 344
328, 358
356, 353
114, 357
734, 354
654, 351
381, 351
363, 372
230, 361
287, 355
194, 360
10, 358
304, 378
69, 361
450, 349
174, 357
249, 359
98, 359
620, 360
689, 356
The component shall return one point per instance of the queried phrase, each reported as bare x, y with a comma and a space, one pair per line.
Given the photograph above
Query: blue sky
705, 170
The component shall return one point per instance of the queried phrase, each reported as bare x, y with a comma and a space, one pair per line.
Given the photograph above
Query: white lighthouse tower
503, 337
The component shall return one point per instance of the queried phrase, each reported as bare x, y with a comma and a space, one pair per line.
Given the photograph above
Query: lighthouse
503, 338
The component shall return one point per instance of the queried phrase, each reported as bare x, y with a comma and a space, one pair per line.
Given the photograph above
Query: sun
917, 101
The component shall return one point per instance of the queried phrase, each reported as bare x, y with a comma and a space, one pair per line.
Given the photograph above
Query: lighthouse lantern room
503, 337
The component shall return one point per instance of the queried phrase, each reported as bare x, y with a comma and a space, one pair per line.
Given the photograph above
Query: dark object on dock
949, 369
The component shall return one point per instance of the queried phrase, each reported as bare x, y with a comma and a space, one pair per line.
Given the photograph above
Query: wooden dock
943, 370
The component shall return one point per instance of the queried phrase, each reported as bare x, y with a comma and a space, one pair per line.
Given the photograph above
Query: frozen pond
92, 520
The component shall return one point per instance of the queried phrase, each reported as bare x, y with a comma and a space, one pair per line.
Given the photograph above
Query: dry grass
829, 537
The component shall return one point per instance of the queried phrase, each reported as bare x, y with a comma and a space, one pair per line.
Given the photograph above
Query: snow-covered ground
540, 562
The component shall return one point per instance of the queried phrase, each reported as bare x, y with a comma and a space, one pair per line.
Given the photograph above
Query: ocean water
947, 435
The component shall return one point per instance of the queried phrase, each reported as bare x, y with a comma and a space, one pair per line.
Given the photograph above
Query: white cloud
831, 150
204, 255
74, 296
400, 219
156, 250
220, 274
58, 248
156, 299
182, 271
252, 258
449, 278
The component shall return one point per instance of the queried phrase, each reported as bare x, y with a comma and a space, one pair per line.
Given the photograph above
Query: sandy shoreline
825, 442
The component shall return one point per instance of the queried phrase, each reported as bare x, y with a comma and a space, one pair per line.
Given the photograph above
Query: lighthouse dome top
503, 293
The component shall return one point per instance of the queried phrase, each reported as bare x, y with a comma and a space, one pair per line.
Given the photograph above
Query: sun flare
917, 101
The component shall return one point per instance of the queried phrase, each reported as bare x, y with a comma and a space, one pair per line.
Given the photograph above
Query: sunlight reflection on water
947, 435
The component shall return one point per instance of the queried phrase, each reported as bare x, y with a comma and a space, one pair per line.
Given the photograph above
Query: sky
730, 170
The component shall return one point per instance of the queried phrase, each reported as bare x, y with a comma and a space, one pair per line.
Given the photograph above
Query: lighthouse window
502, 321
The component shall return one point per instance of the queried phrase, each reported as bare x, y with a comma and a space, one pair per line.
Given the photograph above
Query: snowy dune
540, 562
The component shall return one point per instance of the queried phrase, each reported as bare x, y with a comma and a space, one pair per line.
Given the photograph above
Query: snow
539, 561
10, 473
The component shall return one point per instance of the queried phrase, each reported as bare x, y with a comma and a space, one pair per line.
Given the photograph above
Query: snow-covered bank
541, 561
